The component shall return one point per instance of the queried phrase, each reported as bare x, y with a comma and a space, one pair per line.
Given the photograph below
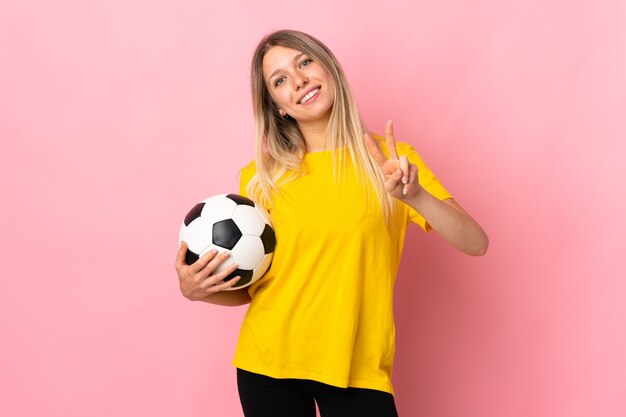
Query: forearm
228, 298
451, 222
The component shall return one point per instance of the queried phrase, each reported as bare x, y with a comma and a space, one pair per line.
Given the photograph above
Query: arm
228, 298
446, 217
451, 222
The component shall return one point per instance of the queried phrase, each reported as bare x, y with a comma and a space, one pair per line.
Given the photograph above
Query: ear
282, 112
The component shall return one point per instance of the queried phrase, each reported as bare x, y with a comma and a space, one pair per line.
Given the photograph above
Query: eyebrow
295, 58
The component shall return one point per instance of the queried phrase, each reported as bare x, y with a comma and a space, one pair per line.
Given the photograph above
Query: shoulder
247, 172
249, 169
245, 175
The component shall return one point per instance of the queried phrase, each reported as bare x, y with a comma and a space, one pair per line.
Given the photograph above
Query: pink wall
115, 117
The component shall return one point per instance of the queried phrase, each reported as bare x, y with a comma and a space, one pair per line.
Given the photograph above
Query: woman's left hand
401, 179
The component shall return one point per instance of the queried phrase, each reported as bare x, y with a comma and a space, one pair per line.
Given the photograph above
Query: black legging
262, 396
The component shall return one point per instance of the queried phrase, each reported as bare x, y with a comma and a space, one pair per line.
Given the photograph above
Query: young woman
320, 325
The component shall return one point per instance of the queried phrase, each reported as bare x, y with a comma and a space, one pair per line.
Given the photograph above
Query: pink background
117, 116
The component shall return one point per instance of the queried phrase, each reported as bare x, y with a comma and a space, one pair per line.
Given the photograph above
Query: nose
300, 81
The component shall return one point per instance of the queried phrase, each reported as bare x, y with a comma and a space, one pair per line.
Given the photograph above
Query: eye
278, 81
306, 63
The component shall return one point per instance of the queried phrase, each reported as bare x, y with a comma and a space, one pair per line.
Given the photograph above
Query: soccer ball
235, 223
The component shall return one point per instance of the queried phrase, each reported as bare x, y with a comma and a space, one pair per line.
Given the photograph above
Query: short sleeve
245, 175
427, 179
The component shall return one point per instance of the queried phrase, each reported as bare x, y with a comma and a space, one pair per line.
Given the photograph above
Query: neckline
324, 151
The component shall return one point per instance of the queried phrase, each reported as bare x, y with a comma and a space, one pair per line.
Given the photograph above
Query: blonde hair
279, 143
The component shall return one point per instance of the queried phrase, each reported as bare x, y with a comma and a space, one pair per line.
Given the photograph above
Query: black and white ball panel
195, 235
263, 265
249, 220
252, 248
231, 223
218, 208
226, 233
194, 213
268, 237
241, 200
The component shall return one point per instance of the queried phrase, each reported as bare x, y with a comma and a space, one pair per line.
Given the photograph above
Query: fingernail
404, 190
405, 180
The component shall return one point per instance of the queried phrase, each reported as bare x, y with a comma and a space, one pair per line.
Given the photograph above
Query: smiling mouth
309, 95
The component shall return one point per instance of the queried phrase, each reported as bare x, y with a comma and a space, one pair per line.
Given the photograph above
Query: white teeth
309, 96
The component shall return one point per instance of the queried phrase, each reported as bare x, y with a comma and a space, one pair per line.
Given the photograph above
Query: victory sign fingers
400, 175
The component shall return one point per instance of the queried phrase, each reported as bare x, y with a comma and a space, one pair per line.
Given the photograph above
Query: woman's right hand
199, 280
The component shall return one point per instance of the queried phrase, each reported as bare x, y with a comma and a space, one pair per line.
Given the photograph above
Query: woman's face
300, 87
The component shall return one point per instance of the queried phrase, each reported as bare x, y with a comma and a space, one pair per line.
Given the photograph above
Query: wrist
417, 199
414, 195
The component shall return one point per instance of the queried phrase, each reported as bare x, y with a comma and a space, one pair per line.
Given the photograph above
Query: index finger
391, 143
372, 147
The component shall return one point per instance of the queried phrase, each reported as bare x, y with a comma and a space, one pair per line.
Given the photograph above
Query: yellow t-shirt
323, 311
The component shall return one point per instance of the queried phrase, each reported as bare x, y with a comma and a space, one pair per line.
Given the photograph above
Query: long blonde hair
279, 143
